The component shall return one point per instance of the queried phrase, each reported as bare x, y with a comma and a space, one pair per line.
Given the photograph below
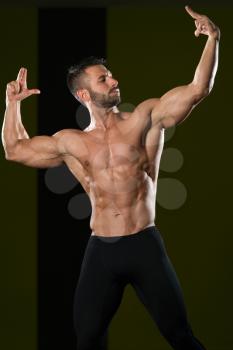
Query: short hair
76, 72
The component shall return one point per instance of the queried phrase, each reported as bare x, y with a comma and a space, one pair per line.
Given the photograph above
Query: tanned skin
116, 158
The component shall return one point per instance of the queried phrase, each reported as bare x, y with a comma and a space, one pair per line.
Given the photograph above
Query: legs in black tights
140, 259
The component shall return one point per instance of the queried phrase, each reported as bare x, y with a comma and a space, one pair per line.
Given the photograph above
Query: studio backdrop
45, 213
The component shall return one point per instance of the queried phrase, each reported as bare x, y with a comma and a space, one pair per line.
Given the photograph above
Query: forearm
207, 67
12, 128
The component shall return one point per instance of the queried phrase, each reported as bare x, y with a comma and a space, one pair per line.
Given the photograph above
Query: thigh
158, 287
98, 295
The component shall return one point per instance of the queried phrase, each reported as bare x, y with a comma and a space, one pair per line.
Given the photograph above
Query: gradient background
150, 49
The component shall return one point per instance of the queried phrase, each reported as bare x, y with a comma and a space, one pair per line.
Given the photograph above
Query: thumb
26, 93
33, 92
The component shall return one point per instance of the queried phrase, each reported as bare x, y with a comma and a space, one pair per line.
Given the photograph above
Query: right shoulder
69, 141
66, 132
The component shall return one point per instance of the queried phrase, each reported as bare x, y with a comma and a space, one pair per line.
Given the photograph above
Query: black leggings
139, 259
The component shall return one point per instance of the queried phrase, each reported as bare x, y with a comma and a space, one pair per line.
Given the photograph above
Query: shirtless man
116, 159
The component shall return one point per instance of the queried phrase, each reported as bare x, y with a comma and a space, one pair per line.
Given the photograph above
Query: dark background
63, 236
150, 49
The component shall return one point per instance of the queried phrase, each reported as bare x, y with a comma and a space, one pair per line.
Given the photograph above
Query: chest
119, 148
115, 150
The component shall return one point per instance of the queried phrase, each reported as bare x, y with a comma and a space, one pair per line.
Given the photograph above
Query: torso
118, 169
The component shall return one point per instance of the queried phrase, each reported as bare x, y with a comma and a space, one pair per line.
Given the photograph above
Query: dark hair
74, 81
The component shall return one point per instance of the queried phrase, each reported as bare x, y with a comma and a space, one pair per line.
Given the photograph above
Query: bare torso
118, 168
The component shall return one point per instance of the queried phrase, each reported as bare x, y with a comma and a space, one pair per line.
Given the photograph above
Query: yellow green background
150, 50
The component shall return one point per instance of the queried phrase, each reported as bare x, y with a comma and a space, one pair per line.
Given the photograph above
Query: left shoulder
145, 108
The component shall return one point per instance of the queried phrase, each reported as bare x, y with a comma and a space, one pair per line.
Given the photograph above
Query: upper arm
175, 105
39, 151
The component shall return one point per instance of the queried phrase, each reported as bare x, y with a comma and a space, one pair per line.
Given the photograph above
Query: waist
136, 233
122, 224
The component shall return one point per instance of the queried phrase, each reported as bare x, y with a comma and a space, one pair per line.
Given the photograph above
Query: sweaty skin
116, 159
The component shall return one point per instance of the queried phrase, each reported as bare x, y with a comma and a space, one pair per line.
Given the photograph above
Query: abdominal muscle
118, 210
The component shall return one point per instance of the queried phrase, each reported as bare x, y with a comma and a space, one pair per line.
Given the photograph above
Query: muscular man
116, 159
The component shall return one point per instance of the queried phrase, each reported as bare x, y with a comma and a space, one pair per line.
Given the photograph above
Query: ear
83, 95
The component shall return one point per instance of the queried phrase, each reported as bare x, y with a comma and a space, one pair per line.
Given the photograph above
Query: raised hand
17, 90
203, 24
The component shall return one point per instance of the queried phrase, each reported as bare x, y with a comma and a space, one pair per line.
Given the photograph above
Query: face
102, 87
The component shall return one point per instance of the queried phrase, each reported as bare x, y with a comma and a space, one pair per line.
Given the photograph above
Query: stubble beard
104, 101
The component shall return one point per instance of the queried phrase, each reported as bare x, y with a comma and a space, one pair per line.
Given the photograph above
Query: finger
27, 93
198, 30
22, 77
192, 13
33, 92
20, 74
14, 86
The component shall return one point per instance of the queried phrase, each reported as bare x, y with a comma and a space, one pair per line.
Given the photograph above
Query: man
116, 159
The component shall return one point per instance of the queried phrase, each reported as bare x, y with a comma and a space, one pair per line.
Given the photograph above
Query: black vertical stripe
65, 36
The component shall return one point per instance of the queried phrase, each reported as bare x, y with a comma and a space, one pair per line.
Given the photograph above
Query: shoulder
66, 137
147, 106
146, 109
66, 132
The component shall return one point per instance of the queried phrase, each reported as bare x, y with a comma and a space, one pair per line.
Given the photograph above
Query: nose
114, 83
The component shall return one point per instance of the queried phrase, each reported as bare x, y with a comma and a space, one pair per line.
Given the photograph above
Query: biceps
38, 152
176, 104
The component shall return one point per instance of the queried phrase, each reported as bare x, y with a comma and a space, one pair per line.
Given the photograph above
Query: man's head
91, 81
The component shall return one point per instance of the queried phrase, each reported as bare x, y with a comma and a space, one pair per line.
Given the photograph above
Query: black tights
139, 259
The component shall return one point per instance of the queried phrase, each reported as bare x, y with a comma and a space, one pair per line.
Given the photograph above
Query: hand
203, 24
17, 90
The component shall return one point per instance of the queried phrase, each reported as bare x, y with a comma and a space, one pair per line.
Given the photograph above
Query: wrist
12, 103
215, 34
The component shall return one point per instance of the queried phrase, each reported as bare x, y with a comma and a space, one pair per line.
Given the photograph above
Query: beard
104, 101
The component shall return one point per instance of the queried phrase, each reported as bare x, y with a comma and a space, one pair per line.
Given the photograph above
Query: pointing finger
22, 77
20, 74
192, 13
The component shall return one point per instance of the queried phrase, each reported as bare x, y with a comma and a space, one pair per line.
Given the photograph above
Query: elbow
205, 92
9, 149
10, 155
12, 152
202, 91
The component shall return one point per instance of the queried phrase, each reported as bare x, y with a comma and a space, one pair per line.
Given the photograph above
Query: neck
102, 118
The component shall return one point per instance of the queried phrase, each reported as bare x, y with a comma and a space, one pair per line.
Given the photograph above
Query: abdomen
124, 206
